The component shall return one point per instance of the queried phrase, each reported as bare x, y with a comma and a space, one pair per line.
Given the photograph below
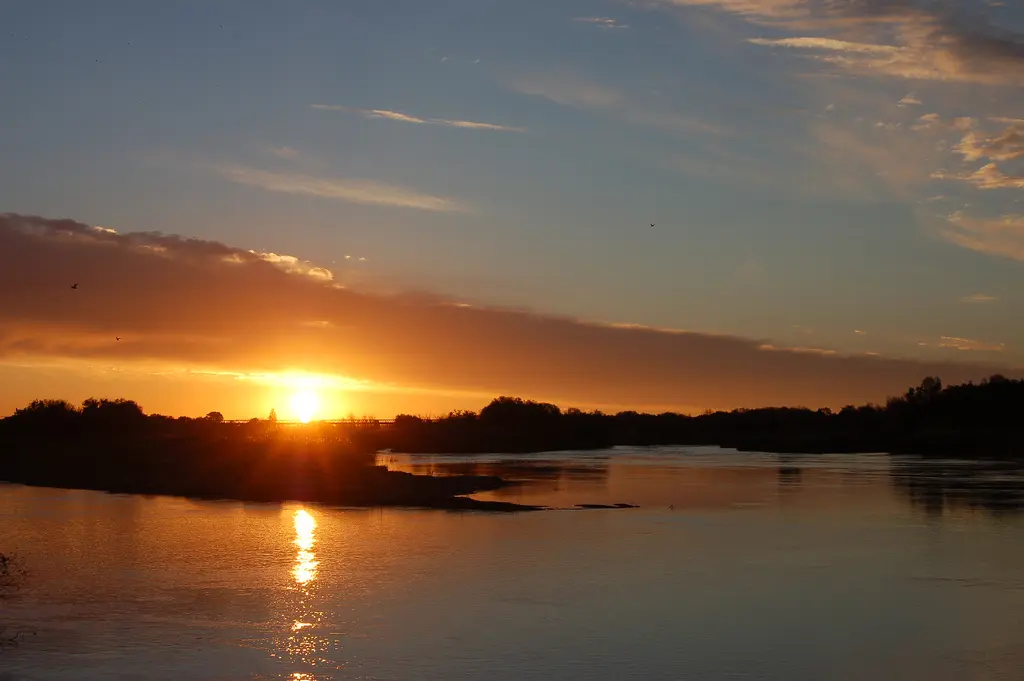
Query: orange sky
205, 326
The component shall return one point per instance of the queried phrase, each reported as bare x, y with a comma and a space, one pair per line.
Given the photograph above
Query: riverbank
245, 469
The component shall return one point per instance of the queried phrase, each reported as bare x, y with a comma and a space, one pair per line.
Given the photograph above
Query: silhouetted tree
112, 413
215, 416
515, 410
273, 416
48, 414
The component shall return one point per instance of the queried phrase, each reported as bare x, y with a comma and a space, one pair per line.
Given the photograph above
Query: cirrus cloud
912, 39
1003, 236
601, 22
978, 298
344, 189
398, 116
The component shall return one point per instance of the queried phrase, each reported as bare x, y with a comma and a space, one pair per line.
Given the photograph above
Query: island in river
111, 445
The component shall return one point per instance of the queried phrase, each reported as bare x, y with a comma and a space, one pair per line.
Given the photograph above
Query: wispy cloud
283, 152
398, 116
978, 298
602, 22
753, 10
910, 100
1003, 236
293, 265
871, 160
1008, 145
969, 344
916, 61
935, 122
768, 347
830, 44
899, 38
576, 92
343, 189
988, 176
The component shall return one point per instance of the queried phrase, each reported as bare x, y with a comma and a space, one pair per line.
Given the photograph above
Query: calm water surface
737, 566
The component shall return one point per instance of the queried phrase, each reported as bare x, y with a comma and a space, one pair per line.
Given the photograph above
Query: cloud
753, 10
289, 263
988, 176
827, 44
912, 39
570, 91
283, 152
935, 123
871, 160
601, 22
860, 333
970, 345
385, 114
915, 61
352, 190
1006, 146
798, 350
927, 122
203, 305
1002, 236
573, 91
978, 298
910, 100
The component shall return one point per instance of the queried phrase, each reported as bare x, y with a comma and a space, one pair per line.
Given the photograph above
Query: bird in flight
74, 286
117, 338
652, 224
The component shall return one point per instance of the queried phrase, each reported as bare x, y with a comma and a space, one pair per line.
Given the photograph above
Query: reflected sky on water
736, 566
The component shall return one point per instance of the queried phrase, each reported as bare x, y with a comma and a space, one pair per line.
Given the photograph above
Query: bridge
334, 422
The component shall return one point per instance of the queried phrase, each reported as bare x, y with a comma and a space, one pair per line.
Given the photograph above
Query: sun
305, 405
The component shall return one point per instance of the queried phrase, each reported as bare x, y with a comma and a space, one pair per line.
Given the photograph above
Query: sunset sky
414, 206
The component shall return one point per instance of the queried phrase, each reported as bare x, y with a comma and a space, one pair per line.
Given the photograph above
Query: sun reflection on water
303, 644
305, 562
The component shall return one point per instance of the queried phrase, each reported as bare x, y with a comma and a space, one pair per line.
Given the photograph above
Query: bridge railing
341, 422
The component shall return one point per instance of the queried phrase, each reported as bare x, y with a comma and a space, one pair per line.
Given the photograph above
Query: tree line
974, 419
969, 419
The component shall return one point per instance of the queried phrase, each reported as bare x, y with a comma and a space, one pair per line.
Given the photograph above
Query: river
735, 567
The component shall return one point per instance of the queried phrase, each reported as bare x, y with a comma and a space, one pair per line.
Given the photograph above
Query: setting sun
305, 405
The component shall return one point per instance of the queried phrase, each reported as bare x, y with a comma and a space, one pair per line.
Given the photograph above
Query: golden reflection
305, 562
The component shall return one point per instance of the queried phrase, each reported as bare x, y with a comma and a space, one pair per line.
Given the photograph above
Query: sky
415, 206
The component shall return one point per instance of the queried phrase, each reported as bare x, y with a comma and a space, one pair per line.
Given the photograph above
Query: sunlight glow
305, 405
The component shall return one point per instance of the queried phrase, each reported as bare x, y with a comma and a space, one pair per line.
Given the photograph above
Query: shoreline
453, 503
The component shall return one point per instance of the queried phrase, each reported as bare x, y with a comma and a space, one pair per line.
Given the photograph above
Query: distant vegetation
973, 420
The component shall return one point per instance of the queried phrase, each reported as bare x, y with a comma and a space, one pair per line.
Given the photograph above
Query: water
737, 566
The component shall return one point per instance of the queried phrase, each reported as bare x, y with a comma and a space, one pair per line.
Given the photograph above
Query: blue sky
842, 178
